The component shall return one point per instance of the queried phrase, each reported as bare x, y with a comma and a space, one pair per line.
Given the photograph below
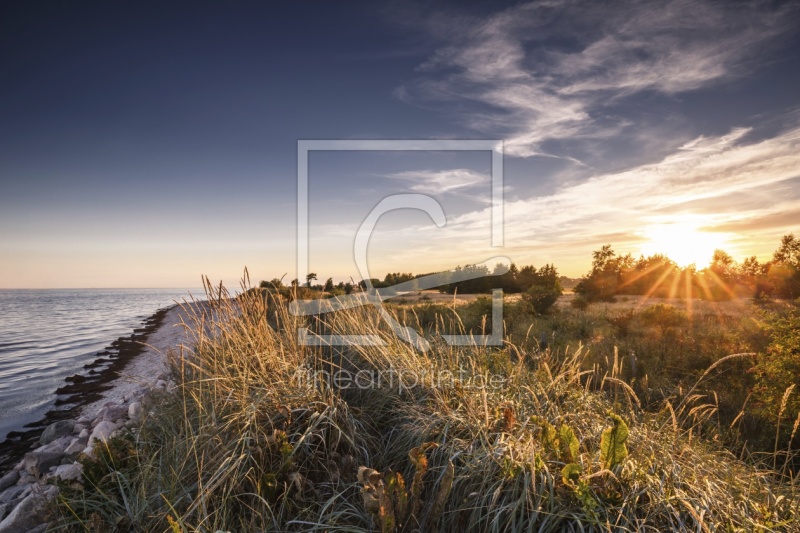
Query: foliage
778, 368
544, 291
613, 449
250, 443
664, 316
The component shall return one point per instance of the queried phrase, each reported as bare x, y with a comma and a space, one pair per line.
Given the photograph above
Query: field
636, 415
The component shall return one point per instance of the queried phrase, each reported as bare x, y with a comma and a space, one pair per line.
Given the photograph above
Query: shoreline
81, 391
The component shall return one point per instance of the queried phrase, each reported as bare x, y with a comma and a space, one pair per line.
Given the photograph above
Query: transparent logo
373, 296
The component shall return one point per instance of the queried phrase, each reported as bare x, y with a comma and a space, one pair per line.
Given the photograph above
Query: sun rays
682, 242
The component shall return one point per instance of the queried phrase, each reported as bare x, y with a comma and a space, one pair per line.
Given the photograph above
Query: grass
248, 443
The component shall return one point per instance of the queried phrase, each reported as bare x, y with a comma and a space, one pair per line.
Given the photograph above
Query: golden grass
246, 444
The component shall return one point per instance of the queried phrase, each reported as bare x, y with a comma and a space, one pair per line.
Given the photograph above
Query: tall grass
248, 443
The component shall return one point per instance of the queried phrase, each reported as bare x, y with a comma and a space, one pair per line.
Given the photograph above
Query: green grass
244, 445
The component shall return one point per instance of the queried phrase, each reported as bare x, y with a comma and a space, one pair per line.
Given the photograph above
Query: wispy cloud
440, 181
718, 183
547, 70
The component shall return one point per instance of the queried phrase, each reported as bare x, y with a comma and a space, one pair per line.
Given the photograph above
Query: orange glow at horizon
683, 243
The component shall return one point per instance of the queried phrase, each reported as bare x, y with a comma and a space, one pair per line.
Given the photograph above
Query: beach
104, 402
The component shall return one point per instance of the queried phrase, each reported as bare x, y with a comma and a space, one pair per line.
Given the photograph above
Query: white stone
69, 472
75, 447
135, 411
102, 432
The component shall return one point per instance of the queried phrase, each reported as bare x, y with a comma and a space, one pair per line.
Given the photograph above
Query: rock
135, 411
25, 516
69, 472
84, 434
4, 510
58, 445
25, 478
41, 528
13, 493
76, 447
161, 384
39, 462
9, 479
115, 412
78, 428
55, 430
102, 432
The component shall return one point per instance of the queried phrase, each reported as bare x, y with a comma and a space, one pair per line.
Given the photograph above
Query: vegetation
612, 274
625, 429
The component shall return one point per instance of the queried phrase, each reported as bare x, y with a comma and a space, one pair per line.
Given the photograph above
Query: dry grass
246, 445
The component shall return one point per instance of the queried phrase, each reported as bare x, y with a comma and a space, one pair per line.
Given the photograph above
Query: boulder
135, 411
25, 516
55, 430
58, 445
76, 447
114, 412
69, 472
78, 428
12, 493
102, 432
39, 462
9, 479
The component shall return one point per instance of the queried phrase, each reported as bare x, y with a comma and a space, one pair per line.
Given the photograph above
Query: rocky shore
27, 487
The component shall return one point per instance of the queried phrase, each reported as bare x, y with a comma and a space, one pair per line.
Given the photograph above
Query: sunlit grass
247, 445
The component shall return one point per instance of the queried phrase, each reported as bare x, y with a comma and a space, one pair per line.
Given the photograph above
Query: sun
683, 243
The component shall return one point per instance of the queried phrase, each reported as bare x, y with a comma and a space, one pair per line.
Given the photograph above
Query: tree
544, 291
311, 276
328, 285
602, 280
784, 274
789, 252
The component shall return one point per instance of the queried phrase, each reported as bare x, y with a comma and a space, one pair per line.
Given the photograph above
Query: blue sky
144, 145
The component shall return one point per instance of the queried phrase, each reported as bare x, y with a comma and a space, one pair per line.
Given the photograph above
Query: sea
49, 334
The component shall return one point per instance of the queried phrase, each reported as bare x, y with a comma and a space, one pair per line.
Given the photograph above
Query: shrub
580, 302
540, 298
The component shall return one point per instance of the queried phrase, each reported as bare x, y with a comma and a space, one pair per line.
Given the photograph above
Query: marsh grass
246, 444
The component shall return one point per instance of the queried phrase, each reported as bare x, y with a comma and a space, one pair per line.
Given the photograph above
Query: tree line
612, 274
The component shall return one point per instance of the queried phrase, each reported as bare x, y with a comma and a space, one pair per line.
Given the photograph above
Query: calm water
47, 335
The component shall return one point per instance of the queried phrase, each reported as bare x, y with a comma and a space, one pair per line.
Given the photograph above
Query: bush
664, 316
540, 298
580, 302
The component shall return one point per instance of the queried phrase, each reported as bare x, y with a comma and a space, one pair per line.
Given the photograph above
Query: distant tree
784, 273
789, 252
328, 285
276, 283
311, 276
602, 280
544, 291
753, 275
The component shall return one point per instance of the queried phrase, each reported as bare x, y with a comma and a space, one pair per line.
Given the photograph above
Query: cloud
729, 174
441, 181
548, 71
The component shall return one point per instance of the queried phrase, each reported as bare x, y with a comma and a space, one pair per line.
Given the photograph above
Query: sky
147, 144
